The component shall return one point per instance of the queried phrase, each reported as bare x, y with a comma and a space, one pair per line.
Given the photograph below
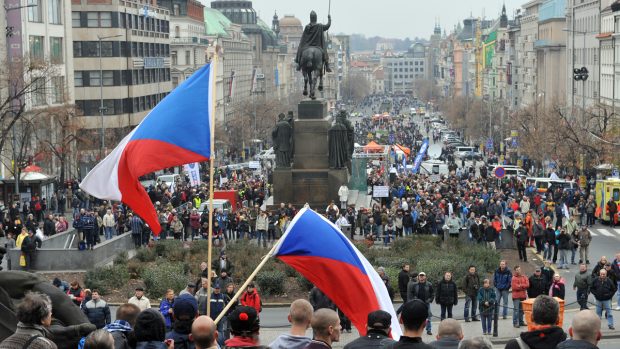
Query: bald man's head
586, 326
322, 320
204, 332
450, 328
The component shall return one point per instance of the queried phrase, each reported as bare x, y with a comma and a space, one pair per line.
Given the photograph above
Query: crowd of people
184, 326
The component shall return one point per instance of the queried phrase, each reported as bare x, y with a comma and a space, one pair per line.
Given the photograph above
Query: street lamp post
101, 108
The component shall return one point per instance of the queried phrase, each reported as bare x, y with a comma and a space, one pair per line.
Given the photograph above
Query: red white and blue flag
318, 250
176, 132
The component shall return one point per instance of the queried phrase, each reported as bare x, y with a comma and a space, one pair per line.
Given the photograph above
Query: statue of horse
312, 69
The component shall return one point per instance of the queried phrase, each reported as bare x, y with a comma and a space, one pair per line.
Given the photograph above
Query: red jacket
520, 284
251, 300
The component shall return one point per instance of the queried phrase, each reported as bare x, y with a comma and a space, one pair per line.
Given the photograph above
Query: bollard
495, 318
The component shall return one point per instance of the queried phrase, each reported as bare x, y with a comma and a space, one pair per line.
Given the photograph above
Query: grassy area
172, 263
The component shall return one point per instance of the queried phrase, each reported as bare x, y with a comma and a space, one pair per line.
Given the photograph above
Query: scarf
119, 326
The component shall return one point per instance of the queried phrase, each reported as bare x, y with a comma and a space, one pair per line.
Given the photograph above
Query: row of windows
36, 11
94, 19
36, 45
406, 70
405, 63
86, 78
120, 49
42, 94
92, 107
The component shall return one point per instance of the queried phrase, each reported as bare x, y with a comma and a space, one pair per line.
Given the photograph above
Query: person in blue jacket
165, 308
502, 280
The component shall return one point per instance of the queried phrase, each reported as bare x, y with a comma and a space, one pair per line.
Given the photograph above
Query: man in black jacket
471, 285
379, 327
603, 290
29, 248
403, 280
422, 290
538, 284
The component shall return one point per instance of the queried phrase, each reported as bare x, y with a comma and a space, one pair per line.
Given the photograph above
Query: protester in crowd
185, 310
414, 317
423, 291
29, 249
204, 333
190, 289
615, 272
502, 280
403, 280
202, 295
218, 303
487, 299
538, 284
546, 334
449, 335
150, 331
250, 298
319, 300
34, 314
165, 308
471, 285
476, 343
97, 310
62, 285
109, 222
377, 332
446, 295
325, 329
582, 285
585, 331
139, 299
122, 328
244, 326
223, 263
99, 339
557, 288
603, 290
520, 283
300, 317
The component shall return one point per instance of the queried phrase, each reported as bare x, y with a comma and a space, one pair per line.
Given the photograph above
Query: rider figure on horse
313, 36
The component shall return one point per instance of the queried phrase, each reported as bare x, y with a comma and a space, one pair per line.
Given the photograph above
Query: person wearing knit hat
185, 310
150, 330
245, 326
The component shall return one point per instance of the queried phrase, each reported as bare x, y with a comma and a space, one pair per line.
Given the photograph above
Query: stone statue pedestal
309, 180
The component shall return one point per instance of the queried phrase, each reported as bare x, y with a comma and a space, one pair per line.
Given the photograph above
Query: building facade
526, 54
121, 51
188, 39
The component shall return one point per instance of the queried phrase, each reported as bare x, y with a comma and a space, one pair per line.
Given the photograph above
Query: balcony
544, 43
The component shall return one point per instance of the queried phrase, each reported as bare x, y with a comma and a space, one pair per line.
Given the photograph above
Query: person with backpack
251, 298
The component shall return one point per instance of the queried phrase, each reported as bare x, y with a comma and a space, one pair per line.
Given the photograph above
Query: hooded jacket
288, 341
547, 338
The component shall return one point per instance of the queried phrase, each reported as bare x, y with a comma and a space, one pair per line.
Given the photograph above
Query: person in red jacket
520, 284
76, 293
250, 298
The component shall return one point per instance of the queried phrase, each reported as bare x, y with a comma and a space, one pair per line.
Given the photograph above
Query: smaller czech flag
318, 250
176, 132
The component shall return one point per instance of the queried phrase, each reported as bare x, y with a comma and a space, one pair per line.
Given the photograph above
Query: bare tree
64, 134
426, 90
355, 87
23, 87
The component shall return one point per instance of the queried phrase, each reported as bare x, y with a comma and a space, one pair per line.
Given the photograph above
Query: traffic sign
499, 172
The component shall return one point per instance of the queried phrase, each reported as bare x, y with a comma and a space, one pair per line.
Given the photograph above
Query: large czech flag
176, 132
318, 250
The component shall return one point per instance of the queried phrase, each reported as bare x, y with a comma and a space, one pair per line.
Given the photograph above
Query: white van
465, 149
542, 184
511, 171
218, 204
169, 179
432, 167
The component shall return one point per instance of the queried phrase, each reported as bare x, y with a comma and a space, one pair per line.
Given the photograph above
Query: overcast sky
386, 18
